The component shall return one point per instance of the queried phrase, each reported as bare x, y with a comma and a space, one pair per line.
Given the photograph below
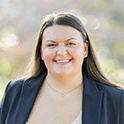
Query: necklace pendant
62, 94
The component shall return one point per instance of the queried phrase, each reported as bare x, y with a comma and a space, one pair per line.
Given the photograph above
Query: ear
86, 49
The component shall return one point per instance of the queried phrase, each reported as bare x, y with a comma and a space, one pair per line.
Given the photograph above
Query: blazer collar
90, 86
29, 92
36, 81
91, 101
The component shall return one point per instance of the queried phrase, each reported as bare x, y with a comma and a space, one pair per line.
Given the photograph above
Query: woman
65, 84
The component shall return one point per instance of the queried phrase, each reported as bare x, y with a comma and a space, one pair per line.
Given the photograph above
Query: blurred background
20, 22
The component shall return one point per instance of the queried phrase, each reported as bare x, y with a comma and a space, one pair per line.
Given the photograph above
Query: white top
76, 121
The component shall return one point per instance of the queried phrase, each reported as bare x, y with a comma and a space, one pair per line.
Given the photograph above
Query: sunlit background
20, 21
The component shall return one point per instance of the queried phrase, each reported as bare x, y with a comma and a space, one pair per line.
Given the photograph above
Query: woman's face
63, 50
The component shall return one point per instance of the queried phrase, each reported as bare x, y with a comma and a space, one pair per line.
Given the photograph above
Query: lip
62, 63
62, 60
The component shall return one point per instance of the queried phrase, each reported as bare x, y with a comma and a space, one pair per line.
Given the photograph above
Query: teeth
62, 61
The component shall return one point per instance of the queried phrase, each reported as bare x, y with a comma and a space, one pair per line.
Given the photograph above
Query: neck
64, 84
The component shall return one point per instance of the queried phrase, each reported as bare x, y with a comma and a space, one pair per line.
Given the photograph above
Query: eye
71, 43
50, 45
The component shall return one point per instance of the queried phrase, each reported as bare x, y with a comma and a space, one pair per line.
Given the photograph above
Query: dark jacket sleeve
122, 109
2, 102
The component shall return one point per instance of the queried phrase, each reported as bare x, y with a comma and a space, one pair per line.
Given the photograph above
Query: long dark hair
90, 66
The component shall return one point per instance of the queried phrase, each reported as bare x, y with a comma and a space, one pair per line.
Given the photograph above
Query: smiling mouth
62, 62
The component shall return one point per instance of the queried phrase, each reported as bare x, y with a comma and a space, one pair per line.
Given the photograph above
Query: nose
61, 50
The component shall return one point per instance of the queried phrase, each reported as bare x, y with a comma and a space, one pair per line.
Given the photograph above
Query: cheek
78, 52
48, 55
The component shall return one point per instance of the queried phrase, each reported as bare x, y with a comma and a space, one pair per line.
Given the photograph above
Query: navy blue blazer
102, 104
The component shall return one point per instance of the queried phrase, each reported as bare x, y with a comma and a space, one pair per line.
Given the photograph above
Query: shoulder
11, 97
14, 85
12, 90
114, 98
93, 86
108, 88
112, 93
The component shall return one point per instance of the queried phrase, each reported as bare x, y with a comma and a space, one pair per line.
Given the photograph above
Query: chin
63, 74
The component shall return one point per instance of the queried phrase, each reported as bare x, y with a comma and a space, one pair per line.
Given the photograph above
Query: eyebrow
65, 40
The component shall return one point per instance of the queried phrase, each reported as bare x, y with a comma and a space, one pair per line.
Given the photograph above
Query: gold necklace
62, 94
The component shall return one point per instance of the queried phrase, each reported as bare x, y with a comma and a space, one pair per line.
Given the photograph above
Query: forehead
61, 32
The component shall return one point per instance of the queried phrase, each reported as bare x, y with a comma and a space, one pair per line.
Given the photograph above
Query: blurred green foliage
20, 22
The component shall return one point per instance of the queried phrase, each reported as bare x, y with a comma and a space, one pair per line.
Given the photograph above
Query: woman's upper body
72, 81
101, 103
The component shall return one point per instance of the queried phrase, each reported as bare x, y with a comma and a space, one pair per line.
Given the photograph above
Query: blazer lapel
91, 104
27, 99
92, 101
